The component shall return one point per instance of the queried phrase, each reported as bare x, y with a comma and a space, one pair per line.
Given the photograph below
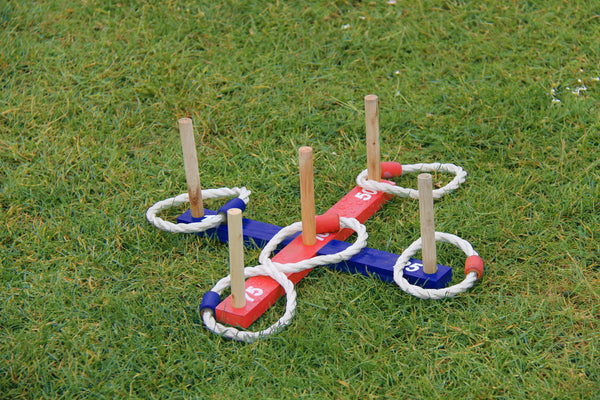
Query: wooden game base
262, 292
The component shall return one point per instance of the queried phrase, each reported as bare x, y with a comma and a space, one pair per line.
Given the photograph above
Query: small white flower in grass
362, 17
347, 26
577, 91
552, 93
397, 72
596, 78
391, 1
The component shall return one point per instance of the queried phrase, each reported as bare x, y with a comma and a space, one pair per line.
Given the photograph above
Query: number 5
413, 267
252, 291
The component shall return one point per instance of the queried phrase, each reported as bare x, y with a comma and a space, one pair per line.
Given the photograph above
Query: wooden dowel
307, 196
190, 162
236, 258
372, 123
427, 223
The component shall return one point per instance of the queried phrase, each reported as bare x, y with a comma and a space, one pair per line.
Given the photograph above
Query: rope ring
461, 176
208, 222
277, 271
436, 294
247, 336
355, 248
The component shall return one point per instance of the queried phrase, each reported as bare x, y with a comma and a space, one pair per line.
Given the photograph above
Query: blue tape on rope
210, 300
236, 202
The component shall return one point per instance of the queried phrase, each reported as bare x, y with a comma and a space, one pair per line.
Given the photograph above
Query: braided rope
210, 221
346, 254
247, 336
277, 271
461, 176
435, 294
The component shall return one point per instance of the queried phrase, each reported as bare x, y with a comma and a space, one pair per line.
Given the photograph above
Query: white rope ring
346, 254
277, 271
461, 176
247, 336
210, 221
435, 294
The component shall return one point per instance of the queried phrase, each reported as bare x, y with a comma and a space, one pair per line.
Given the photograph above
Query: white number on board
322, 236
365, 194
413, 267
252, 291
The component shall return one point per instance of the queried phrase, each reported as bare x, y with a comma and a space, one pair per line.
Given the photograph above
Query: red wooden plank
263, 291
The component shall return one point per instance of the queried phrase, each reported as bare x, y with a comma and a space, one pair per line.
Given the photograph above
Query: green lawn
97, 303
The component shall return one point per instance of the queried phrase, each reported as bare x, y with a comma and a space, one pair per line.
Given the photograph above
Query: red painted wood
262, 291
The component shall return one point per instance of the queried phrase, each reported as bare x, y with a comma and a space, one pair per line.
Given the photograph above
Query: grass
96, 303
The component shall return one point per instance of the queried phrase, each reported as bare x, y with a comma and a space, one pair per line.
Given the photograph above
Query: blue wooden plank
369, 262
256, 234
380, 264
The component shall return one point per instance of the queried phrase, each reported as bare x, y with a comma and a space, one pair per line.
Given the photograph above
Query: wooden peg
236, 257
372, 123
190, 162
307, 196
427, 223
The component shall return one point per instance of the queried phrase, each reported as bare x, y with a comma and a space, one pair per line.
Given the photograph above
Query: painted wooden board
380, 264
369, 262
262, 292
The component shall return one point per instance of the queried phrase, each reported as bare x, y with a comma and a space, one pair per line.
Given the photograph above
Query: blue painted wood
369, 262
380, 264
256, 234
